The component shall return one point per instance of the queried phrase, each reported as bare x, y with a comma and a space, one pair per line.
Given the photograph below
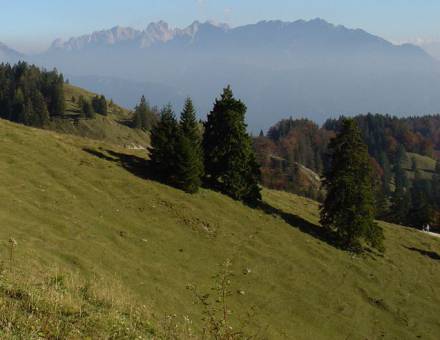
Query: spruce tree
29, 113
190, 155
436, 184
99, 104
187, 171
401, 197
230, 163
144, 117
57, 102
18, 107
87, 108
386, 180
348, 208
41, 117
164, 147
103, 105
421, 210
188, 122
137, 121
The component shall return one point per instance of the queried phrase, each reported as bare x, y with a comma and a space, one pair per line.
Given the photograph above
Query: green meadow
86, 210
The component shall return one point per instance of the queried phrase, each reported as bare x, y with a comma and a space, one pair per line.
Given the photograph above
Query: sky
31, 25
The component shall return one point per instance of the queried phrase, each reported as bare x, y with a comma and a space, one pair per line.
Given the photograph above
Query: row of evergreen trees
89, 108
29, 95
145, 116
32, 96
218, 154
99, 104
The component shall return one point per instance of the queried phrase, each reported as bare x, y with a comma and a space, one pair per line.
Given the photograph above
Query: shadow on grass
305, 226
431, 254
138, 166
125, 122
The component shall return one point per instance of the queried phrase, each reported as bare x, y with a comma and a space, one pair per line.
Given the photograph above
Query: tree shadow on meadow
303, 225
137, 166
431, 254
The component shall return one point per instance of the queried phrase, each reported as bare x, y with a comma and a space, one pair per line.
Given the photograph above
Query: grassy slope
110, 128
424, 163
71, 91
91, 211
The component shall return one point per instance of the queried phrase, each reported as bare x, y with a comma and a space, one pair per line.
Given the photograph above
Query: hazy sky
30, 25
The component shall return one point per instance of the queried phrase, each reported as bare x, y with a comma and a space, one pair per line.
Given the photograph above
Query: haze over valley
303, 68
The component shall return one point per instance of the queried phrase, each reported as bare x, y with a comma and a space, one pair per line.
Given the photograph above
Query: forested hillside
40, 98
29, 95
404, 153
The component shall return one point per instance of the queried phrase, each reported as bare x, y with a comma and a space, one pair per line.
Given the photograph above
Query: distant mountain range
432, 47
303, 68
155, 33
8, 54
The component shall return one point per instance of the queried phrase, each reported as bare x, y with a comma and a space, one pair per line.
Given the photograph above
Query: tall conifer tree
99, 104
144, 117
187, 170
349, 206
87, 108
401, 197
57, 103
164, 146
436, 184
189, 156
422, 208
230, 163
41, 117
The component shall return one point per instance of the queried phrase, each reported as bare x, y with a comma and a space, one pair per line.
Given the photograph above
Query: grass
64, 306
112, 128
425, 164
71, 91
88, 207
102, 129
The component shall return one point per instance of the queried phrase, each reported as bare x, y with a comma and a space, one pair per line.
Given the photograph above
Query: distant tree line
400, 198
145, 116
416, 201
384, 133
217, 154
29, 95
404, 194
89, 108
32, 96
290, 144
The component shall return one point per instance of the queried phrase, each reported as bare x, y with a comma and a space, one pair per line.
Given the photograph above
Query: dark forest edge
33, 96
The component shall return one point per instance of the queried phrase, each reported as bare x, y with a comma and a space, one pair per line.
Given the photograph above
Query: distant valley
310, 69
